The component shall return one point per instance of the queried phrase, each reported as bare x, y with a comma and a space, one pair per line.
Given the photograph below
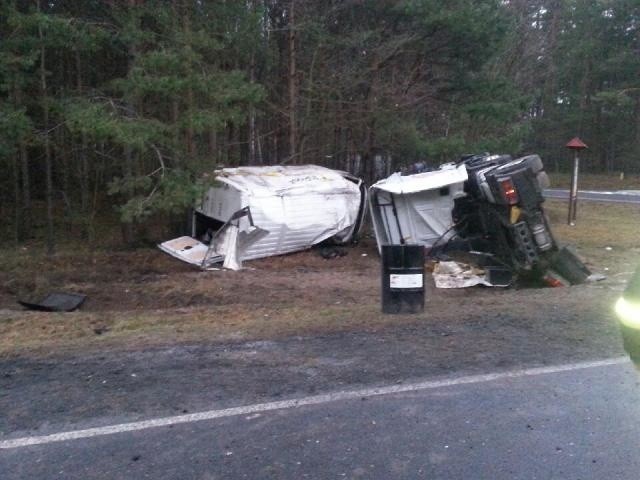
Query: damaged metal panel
274, 210
186, 249
228, 244
299, 206
415, 208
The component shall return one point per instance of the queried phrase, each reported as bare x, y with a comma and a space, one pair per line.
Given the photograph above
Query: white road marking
301, 402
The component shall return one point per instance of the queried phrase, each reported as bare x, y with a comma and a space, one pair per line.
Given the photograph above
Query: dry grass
598, 224
591, 181
41, 332
606, 235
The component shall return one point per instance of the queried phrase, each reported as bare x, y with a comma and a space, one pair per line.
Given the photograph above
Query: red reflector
509, 191
553, 282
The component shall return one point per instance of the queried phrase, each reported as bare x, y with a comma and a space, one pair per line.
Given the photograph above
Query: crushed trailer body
415, 208
291, 208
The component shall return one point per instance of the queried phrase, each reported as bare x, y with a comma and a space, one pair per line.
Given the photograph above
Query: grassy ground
590, 181
144, 297
608, 235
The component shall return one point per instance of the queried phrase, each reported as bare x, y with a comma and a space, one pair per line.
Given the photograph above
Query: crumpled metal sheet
228, 244
448, 174
299, 206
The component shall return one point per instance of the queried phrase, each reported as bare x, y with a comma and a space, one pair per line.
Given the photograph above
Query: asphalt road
631, 196
581, 423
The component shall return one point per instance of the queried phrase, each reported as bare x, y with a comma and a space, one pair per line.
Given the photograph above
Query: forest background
114, 114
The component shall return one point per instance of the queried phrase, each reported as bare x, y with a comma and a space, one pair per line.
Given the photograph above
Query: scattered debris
457, 275
460, 275
100, 330
499, 276
554, 279
255, 212
329, 253
596, 277
56, 302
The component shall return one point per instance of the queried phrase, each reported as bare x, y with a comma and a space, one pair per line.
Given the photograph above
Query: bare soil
144, 297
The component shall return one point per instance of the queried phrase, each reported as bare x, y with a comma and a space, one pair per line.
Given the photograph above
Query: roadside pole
576, 145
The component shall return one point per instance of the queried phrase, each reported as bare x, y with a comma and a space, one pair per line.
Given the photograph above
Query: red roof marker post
576, 145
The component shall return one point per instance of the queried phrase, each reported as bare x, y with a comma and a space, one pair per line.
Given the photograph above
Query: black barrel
402, 278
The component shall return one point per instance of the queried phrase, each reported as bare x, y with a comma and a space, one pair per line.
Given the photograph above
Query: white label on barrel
413, 280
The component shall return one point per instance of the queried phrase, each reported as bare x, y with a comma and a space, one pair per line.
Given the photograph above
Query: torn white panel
298, 206
415, 208
228, 244
458, 275
405, 184
186, 249
229, 248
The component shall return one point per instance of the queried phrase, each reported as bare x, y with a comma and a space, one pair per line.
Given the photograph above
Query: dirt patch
145, 297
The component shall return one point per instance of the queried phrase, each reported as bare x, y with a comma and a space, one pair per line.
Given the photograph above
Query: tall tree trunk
62, 155
17, 230
304, 134
26, 190
84, 163
213, 145
128, 231
585, 92
47, 144
236, 149
293, 94
25, 201
190, 138
127, 228
550, 80
550, 87
253, 136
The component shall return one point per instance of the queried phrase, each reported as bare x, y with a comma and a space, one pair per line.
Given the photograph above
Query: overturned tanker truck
487, 206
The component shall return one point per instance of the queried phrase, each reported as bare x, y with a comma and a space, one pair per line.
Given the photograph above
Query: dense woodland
116, 112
